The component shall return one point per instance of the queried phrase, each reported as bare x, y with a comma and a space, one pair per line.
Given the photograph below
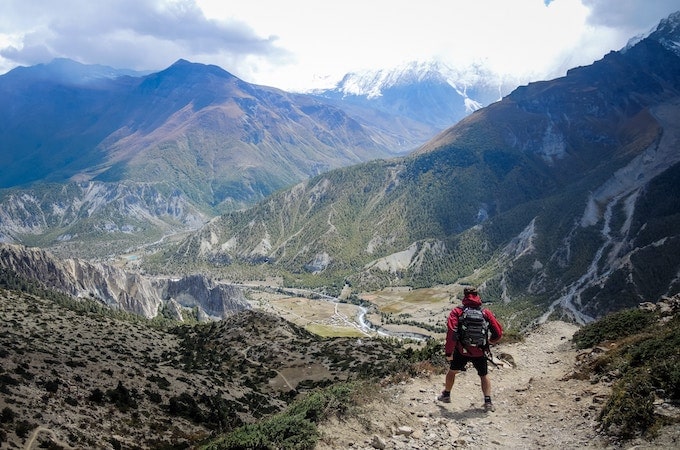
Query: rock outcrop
117, 288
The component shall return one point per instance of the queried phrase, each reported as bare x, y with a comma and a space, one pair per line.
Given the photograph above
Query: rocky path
55, 440
537, 406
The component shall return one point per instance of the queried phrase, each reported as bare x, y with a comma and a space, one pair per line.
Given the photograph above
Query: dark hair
470, 291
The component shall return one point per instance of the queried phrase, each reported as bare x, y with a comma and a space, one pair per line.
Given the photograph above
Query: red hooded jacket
470, 300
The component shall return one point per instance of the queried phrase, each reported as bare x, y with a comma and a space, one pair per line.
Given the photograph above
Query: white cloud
136, 34
294, 43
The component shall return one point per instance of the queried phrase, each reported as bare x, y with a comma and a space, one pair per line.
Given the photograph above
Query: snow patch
472, 105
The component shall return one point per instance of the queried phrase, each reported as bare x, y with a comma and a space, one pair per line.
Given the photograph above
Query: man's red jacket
470, 300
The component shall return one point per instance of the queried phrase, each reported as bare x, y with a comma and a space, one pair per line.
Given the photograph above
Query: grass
333, 331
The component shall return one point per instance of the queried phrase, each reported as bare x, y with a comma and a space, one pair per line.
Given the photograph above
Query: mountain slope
531, 397
93, 381
596, 396
539, 198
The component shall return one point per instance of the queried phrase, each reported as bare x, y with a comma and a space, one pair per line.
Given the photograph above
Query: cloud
136, 34
293, 44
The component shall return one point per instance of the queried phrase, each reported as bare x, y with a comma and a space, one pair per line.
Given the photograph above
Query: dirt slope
537, 406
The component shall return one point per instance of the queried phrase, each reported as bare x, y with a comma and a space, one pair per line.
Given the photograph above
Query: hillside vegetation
640, 353
98, 378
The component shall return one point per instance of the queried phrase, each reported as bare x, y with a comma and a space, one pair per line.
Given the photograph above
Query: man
459, 355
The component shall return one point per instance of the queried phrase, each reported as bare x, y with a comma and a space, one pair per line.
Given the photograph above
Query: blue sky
297, 44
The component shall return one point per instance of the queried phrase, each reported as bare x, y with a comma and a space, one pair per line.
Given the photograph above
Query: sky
301, 44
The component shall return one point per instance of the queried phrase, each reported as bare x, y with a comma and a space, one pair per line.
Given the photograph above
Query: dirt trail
536, 405
54, 439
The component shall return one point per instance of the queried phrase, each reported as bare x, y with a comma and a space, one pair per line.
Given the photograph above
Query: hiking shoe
488, 406
444, 397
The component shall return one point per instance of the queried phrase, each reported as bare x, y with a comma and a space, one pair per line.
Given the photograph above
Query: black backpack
473, 328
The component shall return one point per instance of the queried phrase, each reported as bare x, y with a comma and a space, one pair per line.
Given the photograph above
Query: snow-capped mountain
666, 32
426, 91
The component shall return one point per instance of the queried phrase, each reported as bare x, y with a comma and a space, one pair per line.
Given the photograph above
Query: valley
197, 254
394, 312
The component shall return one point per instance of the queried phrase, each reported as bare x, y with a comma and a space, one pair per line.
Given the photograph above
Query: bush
97, 396
185, 406
122, 397
23, 427
321, 404
282, 432
7, 415
648, 364
629, 412
295, 428
52, 385
615, 326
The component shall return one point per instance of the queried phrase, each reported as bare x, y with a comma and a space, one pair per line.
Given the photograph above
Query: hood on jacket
472, 300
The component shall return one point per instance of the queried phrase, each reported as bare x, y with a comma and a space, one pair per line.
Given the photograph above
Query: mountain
199, 127
555, 200
66, 72
99, 161
93, 155
428, 92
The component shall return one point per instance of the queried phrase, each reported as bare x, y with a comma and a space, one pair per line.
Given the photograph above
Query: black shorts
459, 362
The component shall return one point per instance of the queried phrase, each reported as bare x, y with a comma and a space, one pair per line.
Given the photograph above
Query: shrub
52, 385
629, 411
295, 428
321, 404
153, 396
648, 362
22, 428
7, 415
282, 432
512, 336
185, 406
97, 396
122, 397
162, 382
614, 326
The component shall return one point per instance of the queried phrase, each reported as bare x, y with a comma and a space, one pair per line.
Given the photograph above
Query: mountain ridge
191, 131
106, 381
